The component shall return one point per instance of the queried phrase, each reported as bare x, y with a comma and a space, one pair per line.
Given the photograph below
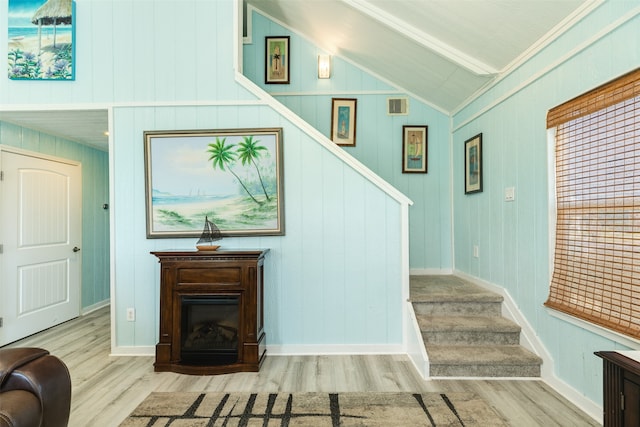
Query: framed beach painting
277, 60
414, 149
232, 177
473, 164
343, 121
41, 39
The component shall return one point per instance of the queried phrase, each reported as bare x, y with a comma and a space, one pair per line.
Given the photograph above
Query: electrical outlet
476, 251
131, 314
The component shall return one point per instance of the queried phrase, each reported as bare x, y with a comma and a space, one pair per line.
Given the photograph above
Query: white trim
412, 33
332, 349
631, 343
133, 351
541, 73
95, 307
587, 405
414, 343
552, 214
552, 35
430, 271
341, 93
112, 231
356, 65
37, 155
323, 140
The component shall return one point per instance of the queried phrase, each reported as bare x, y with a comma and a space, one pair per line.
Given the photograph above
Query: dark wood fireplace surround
234, 273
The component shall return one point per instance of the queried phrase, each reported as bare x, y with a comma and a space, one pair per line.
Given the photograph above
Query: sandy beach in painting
229, 213
30, 43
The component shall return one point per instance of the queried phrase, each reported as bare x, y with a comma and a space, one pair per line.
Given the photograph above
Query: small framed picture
473, 164
277, 60
343, 121
414, 149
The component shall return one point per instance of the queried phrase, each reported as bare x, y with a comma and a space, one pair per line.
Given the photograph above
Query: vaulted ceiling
441, 51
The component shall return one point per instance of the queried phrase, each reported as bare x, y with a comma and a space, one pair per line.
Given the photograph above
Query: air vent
397, 106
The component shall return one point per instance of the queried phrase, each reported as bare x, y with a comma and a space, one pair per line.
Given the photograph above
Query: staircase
464, 332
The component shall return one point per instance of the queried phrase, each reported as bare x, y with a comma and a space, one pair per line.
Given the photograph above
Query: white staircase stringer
415, 347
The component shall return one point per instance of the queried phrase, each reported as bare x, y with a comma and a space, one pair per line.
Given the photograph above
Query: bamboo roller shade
597, 255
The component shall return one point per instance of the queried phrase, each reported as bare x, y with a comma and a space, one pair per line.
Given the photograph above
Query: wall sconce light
324, 66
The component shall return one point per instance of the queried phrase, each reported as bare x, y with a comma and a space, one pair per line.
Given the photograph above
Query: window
596, 273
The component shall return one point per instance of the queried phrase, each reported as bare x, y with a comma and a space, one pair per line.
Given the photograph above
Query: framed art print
343, 121
473, 165
41, 35
277, 60
233, 177
414, 149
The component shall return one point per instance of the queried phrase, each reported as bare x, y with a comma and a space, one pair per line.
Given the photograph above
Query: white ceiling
442, 51
83, 126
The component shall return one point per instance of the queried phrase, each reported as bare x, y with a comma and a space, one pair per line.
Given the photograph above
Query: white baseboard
289, 350
97, 306
332, 349
430, 271
133, 351
591, 408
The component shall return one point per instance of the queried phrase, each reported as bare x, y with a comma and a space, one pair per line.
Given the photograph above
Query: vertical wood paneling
378, 136
144, 63
514, 253
318, 273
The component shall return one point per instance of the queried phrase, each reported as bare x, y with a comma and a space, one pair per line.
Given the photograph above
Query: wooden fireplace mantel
187, 273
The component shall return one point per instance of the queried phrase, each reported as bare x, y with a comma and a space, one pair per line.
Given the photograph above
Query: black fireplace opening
209, 330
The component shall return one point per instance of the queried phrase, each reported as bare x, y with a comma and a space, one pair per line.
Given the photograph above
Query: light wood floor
106, 388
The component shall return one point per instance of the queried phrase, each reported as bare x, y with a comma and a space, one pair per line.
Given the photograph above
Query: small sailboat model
210, 234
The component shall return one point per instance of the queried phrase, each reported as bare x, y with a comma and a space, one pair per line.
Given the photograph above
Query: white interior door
40, 234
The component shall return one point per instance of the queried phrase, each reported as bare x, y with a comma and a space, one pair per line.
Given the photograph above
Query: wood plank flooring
106, 388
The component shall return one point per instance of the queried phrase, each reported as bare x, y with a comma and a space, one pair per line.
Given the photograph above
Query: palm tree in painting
248, 151
223, 155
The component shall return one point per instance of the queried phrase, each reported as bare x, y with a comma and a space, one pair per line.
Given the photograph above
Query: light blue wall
513, 237
378, 135
335, 277
95, 192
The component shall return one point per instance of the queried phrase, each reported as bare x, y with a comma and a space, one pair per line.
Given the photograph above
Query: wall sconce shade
324, 66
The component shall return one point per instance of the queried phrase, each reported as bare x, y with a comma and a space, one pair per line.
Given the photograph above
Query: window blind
596, 273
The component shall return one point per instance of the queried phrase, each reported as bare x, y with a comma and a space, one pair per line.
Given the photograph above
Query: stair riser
484, 370
458, 308
474, 338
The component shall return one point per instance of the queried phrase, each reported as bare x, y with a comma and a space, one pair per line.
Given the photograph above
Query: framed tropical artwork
41, 39
277, 60
343, 121
414, 149
473, 165
233, 178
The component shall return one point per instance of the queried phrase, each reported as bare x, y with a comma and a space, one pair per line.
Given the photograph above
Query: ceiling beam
441, 48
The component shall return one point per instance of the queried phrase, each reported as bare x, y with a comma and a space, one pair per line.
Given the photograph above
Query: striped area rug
313, 410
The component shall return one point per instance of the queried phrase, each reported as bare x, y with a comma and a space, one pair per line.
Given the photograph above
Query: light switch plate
509, 194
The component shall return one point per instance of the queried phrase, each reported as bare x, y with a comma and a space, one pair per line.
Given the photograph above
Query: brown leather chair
35, 389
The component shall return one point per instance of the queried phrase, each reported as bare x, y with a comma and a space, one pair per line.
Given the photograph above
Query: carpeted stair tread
464, 332
448, 289
466, 323
482, 361
481, 355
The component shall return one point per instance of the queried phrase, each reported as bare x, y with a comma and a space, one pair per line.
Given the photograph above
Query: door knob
76, 249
